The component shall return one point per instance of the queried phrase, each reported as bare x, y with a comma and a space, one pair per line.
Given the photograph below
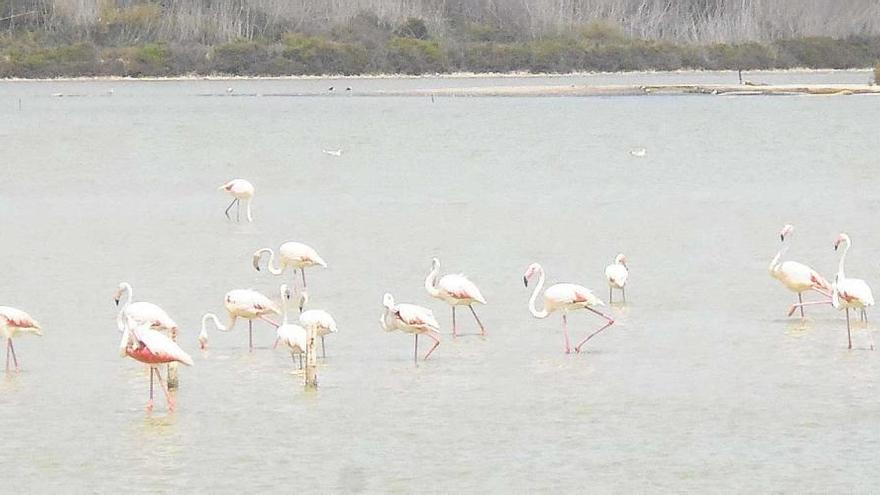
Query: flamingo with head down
565, 298
250, 305
797, 277
13, 322
410, 318
455, 290
294, 255
142, 344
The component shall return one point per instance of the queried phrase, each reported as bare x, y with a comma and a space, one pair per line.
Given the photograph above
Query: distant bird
152, 348
639, 152
564, 297
203, 334
12, 322
294, 255
289, 334
409, 318
333, 152
110, 91
616, 274
240, 189
348, 88
797, 277
250, 305
330, 88
455, 290
850, 292
316, 320
229, 90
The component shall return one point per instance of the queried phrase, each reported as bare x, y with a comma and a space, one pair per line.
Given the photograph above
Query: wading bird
316, 320
409, 318
616, 274
152, 348
203, 334
141, 312
455, 290
290, 334
294, 255
250, 305
563, 297
797, 277
850, 292
240, 189
12, 322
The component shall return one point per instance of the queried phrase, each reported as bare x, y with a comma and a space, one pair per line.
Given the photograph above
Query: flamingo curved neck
775, 264
120, 317
274, 270
431, 281
543, 313
217, 324
840, 273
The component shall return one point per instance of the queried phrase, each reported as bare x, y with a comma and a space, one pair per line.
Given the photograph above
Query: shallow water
703, 385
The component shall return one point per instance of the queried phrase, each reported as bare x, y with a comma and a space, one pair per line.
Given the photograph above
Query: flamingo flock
149, 334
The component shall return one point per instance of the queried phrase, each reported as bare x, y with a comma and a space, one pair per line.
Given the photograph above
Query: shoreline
447, 75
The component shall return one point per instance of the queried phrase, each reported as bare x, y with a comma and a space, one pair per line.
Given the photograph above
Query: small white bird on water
616, 274
333, 152
639, 152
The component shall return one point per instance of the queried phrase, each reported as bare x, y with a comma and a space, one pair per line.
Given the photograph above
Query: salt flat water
703, 385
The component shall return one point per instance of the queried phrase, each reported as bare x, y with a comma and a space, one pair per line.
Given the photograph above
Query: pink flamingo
240, 189
152, 348
12, 322
203, 334
797, 277
141, 312
316, 320
409, 318
850, 292
290, 334
455, 290
564, 297
616, 274
250, 305
295, 255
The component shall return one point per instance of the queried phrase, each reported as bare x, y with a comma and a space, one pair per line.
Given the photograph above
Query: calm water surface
702, 386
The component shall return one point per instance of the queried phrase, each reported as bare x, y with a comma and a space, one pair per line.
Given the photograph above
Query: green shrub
315, 55
877, 73
238, 57
414, 56
412, 28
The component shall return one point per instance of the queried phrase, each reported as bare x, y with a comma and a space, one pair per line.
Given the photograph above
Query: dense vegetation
46, 38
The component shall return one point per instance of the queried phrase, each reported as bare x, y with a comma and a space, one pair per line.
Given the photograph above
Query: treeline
48, 38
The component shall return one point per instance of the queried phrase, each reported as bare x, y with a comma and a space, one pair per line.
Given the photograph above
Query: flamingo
12, 322
316, 320
290, 334
850, 292
295, 255
240, 189
455, 290
797, 277
409, 318
617, 273
141, 312
250, 305
142, 344
564, 297
203, 334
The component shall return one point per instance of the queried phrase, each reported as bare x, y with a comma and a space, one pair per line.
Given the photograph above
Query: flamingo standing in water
316, 320
12, 322
141, 312
616, 274
250, 305
850, 292
797, 277
409, 318
564, 297
152, 348
240, 189
203, 334
455, 290
295, 255
290, 334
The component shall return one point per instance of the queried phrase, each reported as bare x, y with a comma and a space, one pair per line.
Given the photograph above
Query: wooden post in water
311, 373
172, 367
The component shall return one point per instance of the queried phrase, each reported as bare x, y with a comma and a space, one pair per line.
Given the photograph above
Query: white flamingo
409, 318
616, 274
294, 255
797, 277
152, 348
203, 334
13, 322
563, 297
250, 305
455, 290
290, 334
240, 189
850, 292
141, 312
316, 320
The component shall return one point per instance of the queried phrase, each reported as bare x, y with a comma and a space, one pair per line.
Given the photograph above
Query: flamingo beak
782, 237
116, 299
526, 281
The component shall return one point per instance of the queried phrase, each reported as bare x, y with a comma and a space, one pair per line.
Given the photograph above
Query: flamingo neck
431, 281
249, 216
217, 324
840, 273
274, 270
774, 264
543, 313
123, 343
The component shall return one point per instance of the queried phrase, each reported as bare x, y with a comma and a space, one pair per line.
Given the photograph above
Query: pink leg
482, 329
416, 350
303, 272
603, 315
267, 320
454, 331
14, 359
848, 332
150, 402
436, 343
821, 291
251, 335
801, 301
565, 332
794, 307
8, 341
610, 295
169, 401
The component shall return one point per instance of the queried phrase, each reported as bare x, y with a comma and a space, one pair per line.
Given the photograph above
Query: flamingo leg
565, 332
801, 301
454, 330
436, 343
8, 341
821, 291
794, 307
323, 348
610, 294
865, 316
482, 328
603, 315
623, 289
169, 402
14, 359
150, 402
229, 208
267, 320
303, 272
238, 212
416, 350
251, 335
848, 331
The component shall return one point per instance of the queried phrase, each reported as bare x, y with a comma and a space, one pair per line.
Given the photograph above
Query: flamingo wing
616, 275
293, 335
318, 319
161, 346
460, 287
417, 316
18, 318
145, 312
855, 291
